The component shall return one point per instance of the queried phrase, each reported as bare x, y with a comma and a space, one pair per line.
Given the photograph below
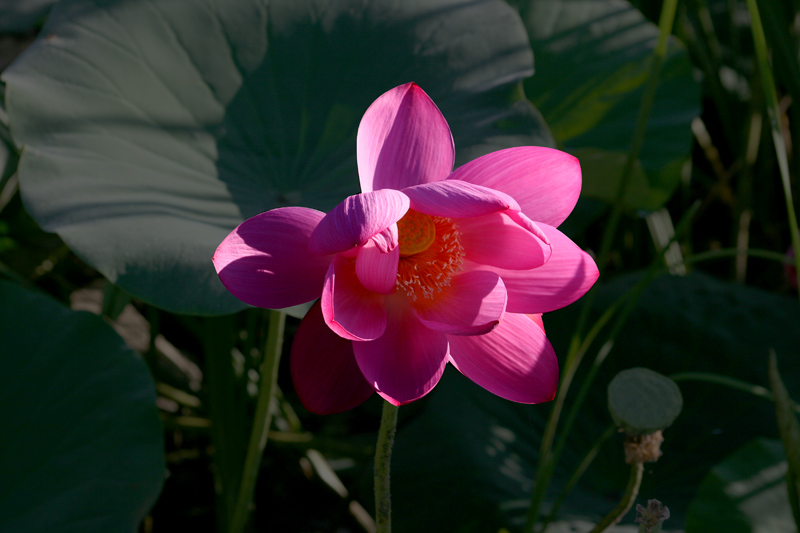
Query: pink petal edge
514, 361
568, 274
537, 318
265, 261
473, 304
349, 309
403, 140
357, 218
376, 270
406, 362
497, 240
545, 182
458, 199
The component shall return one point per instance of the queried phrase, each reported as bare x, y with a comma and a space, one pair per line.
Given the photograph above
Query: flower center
417, 232
430, 254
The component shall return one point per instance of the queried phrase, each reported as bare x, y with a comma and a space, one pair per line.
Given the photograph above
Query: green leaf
8, 154
790, 435
602, 172
468, 459
114, 300
744, 493
22, 16
593, 60
82, 447
151, 129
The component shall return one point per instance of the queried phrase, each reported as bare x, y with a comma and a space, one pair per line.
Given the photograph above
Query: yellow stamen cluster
416, 231
432, 255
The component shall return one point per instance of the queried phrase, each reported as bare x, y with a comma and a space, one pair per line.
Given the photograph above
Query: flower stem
625, 504
261, 421
383, 456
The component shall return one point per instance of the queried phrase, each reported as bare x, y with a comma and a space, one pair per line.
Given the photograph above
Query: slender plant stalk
733, 383
576, 475
733, 252
383, 458
625, 504
261, 421
789, 430
621, 318
225, 410
765, 71
573, 359
630, 298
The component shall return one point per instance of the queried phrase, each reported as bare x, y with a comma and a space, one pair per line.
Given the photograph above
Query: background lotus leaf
151, 129
82, 450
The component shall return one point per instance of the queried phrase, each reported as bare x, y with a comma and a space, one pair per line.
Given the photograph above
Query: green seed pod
642, 401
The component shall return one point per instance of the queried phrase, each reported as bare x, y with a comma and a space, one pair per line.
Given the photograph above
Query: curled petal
458, 199
473, 304
386, 240
545, 182
406, 362
514, 361
376, 270
403, 140
356, 219
568, 274
265, 261
498, 241
528, 224
350, 310
324, 370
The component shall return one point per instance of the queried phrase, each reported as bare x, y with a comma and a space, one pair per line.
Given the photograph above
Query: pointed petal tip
406, 362
568, 274
403, 140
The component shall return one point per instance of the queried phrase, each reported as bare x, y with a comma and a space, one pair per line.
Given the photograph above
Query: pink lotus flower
426, 266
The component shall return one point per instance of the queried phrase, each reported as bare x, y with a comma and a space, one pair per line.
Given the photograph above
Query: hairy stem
383, 458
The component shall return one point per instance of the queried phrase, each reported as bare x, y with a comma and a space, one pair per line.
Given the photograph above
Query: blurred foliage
745, 492
205, 119
85, 443
695, 323
592, 64
209, 148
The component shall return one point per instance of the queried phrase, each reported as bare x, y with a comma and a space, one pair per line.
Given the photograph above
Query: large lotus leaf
8, 157
81, 450
593, 60
468, 459
151, 129
20, 16
745, 493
